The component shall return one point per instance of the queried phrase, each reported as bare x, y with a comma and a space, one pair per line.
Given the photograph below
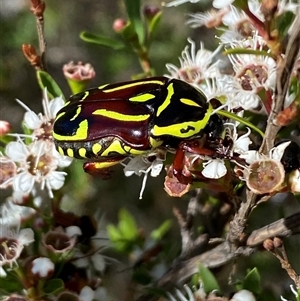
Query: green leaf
113, 233
45, 80
153, 24
133, 10
160, 232
284, 22
9, 284
241, 120
208, 279
247, 51
298, 295
252, 281
53, 286
101, 40
127, 225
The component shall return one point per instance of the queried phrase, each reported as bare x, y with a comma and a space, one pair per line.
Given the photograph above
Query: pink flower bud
4, 128
119, 25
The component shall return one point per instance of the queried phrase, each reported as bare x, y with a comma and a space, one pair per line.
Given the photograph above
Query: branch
281, 228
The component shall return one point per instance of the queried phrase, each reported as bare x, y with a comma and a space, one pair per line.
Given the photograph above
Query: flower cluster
32, 159
247, 83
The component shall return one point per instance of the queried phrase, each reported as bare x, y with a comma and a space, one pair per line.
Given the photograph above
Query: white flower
214, 169
240, 144
151, 163
198, 294
180, 295
37, 163
179, 2
42, 267
209, 19
41, 124
253, 73
243, 295
86, 294
287, 5
221, 3
12, 214
195, 66
12, 241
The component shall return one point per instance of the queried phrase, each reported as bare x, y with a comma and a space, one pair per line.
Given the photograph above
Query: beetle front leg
194, 147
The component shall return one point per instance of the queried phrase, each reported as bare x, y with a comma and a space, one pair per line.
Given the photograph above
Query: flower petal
214, 169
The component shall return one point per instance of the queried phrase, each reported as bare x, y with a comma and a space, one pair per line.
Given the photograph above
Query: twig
37, 8
281, 228
186, 226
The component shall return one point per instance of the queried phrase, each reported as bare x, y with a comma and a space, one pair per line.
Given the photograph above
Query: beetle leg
178, 166
101, 167
194, 147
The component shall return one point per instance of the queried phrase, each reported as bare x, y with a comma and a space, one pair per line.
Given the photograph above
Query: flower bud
42, 267
268, 244
4, 128
78, 75
150, 11
119, 24
277, 242
31, 55
37, 7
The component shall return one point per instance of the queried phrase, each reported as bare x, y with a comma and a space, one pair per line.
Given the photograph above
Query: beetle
105, 125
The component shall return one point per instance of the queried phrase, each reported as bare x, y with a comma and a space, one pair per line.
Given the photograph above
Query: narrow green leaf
133, 10
247, 51
101, 40
252, 281
153, 24
45, 80
208, 279
241, 120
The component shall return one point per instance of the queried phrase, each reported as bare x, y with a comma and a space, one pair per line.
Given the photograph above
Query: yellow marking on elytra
119, 116
61, 151
67, 103
76, 114
133, 151
102, 87
106, 164
60, 115
82, 152
129, 85
175, 129
167, 101
189, 102
86, 94
142, 98
81, 133
70, 152
96, 148
115, 147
